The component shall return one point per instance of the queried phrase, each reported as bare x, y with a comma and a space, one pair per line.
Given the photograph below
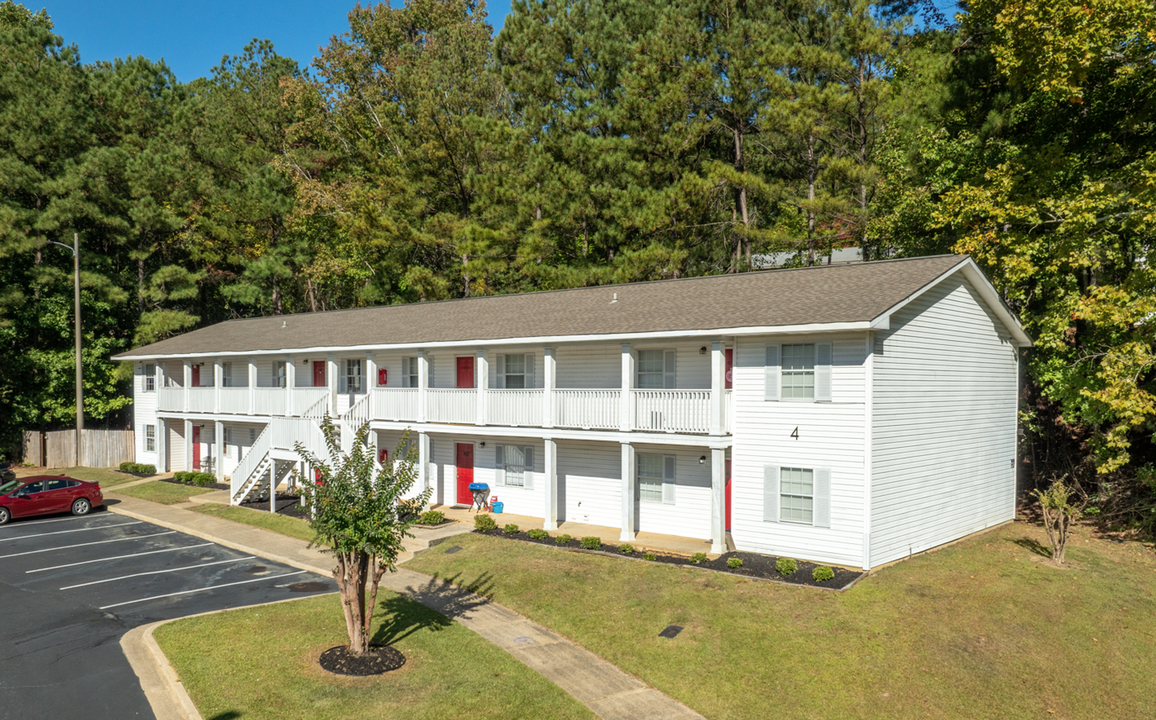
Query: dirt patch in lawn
380, 659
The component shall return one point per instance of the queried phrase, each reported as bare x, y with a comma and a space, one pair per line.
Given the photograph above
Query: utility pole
75, 248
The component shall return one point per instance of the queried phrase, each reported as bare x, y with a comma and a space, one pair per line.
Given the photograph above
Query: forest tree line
423, 156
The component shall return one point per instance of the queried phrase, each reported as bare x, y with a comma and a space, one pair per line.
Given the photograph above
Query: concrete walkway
608, 691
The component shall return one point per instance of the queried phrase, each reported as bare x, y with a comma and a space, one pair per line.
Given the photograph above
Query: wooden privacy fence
98, 448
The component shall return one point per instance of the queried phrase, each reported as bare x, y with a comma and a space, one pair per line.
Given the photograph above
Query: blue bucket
497, 507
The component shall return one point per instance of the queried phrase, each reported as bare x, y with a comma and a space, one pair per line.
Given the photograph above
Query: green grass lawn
986, 628
291, 526
107, 477
163, 492
261, 662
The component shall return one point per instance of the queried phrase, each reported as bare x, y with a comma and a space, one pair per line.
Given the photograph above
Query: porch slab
657, 542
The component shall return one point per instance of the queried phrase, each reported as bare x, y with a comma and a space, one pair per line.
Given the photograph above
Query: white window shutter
821, 507
668, 376
528, 469
405, 372
429, 364
343, 378
771, 389
499, 466
770, 493
668, 480
529, 371
823, 372
500, 377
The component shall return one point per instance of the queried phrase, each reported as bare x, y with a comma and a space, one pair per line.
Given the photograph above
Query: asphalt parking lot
70, 587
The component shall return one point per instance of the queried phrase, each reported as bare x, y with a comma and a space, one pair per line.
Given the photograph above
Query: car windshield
9, 486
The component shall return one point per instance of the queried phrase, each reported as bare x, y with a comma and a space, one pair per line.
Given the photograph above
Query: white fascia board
981, 285
809, 328
610, 436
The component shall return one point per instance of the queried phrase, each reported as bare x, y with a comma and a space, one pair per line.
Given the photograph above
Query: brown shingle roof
825, 294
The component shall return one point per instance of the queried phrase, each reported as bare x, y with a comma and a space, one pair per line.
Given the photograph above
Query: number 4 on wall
795, 433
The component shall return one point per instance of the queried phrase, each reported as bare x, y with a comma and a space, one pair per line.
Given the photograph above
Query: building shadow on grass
1033, 546
227, 715
434, 605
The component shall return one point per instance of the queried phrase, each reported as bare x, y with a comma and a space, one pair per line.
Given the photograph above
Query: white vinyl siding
684, 507
590, 482
144, 412
176, 446
943, 431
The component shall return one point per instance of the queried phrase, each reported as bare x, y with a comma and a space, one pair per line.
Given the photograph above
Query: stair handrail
318, 410
249, 463
352, 419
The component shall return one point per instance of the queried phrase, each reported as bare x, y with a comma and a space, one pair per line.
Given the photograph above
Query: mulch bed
135, 475
754, 565
215, 486
286, 505
380, 659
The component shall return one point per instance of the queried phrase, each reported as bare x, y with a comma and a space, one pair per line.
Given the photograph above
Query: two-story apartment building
846, 414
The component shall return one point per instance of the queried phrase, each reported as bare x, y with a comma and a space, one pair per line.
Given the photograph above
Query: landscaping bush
786, 566
734, 563
511, 529
203, 479
182, 476
592, 543
563, 539
138, 468
822, 573
432, 517
484, 522
698, 558
649, 556
538, 534
626, 548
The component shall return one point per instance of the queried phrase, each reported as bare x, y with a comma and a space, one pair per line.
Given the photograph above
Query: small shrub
786, 566
126, 466
592, 543
649, 556
698, 558
484, 522
537, 534
203, 479
626, 549
432, 517
182, 476
734, 563
511, 529
147, 469
563, 539
1059, 514
822, 573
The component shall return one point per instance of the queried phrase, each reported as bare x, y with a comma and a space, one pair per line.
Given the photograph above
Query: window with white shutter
150, 438
150, 378
517, 465
655, 370
515, 372
227, 374
655, 477
279, 376
351, 380
409, 372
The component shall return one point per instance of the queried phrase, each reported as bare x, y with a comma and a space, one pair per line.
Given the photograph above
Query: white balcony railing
171, 399
587, 409
305, 398
672, 410
269, 400
397, 404
453, 406
728, 409
520, 408
235, 401
201, 399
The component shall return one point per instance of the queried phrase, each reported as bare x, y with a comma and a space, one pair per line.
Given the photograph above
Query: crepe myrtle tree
360, 514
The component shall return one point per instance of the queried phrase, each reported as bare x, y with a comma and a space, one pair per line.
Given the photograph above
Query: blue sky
193, 35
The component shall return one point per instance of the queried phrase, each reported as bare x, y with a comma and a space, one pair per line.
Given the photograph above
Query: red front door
318, 373
728, 491
465, 465
195, 380
465, 372
730, 366
196, 447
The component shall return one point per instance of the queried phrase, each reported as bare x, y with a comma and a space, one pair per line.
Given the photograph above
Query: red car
47, 494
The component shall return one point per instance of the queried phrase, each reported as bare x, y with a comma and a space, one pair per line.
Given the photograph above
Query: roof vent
615, 299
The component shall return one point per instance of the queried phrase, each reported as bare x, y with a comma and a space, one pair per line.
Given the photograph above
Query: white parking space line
157, 572
211, 587
25, 523
98, 542
62, 532
116, 557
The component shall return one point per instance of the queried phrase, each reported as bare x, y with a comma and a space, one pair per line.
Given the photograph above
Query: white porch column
159, 371
482, 383
423, 478
629, 493
549, 380
718, 368
718, 509
290, 383
188, 379
626, 414
422, 386
550, 484
189, 445
219, 443
272, 486
370, 384
252, 385
162, 445
331, 383
218, 377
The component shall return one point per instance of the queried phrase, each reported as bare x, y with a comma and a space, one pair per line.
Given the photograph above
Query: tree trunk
811, 176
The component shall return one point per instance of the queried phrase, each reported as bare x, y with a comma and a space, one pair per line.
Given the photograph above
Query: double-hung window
409, 372
280, 378
227, 374
799, 372
150, 378
150, 438
515, 465
515, 372
655, 370
796, 495
352, 379
655, 477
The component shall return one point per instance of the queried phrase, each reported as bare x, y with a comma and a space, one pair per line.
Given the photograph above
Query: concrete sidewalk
608, 691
